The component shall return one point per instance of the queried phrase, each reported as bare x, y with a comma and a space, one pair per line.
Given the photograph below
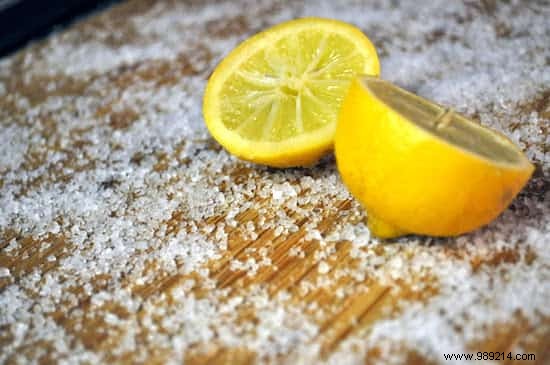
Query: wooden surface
130, 242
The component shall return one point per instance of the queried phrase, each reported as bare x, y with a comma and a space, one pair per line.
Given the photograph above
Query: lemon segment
275, 98
418, 167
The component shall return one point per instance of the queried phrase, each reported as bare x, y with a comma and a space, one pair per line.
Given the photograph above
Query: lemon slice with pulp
275, 98
418, 167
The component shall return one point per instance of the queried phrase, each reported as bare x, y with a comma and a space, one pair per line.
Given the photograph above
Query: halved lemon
275, 98
418, 167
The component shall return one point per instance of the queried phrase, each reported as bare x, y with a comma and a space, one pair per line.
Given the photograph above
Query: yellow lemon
420, 168
275, 98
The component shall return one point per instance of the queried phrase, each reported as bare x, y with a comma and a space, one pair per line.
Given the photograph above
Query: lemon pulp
275, 99
446, 124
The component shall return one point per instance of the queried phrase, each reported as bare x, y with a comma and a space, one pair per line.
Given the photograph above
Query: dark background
24, 20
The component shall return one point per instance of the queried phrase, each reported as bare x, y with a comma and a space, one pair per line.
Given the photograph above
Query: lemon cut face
418, 167
275, 98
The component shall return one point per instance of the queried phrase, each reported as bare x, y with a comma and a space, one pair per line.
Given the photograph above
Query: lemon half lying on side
275, 98
420, 168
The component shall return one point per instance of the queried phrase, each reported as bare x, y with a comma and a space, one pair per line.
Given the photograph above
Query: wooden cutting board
127, 235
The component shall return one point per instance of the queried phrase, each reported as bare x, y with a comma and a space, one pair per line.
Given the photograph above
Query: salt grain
4, 272
323, 267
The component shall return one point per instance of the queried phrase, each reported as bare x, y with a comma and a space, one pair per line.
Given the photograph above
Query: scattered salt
136, 197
